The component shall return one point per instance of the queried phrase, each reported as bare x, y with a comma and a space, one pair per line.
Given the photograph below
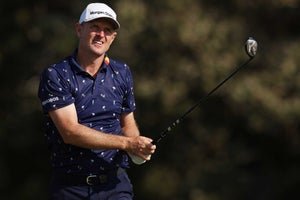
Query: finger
148, 157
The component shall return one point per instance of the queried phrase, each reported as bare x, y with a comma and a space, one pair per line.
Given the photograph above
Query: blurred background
243, 143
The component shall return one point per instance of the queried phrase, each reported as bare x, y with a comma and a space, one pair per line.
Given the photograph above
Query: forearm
66, 122
129, 125
85, 137
138, 147
131, 131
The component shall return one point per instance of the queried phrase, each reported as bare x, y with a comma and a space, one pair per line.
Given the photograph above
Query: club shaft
178, 120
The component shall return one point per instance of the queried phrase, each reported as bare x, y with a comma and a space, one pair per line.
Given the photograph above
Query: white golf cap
99, 10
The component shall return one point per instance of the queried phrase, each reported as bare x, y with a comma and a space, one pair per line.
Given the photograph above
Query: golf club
251, 49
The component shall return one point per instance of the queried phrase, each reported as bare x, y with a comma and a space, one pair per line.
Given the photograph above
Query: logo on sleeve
53, 99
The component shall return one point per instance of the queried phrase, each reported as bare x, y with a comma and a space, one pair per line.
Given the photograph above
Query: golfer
88, 102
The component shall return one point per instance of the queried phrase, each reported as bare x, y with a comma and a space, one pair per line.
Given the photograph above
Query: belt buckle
89, 179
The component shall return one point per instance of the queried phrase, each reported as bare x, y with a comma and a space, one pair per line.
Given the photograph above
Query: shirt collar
78, 68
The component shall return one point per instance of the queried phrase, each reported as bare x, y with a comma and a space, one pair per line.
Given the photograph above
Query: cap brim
113, 22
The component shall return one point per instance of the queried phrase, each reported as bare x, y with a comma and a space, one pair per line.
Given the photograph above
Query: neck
90, 63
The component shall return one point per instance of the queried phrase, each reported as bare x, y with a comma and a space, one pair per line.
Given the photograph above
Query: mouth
98, 42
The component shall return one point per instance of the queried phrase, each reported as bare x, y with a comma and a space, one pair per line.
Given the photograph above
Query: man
88, 103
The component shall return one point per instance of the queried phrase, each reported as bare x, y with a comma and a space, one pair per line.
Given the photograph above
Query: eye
95, 27
107, 31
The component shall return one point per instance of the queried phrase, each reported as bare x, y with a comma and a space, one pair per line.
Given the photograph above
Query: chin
97, 52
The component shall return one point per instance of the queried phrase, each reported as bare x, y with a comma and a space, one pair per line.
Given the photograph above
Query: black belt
94, 179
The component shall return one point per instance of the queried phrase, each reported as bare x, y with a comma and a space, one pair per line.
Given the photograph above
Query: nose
100, 32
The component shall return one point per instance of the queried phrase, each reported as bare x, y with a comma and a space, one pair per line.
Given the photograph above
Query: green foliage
243, 143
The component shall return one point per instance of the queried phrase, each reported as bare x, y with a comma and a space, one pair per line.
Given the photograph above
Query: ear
114, 35
78, 28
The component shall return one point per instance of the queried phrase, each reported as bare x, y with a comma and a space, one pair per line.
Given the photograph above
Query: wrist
125, 143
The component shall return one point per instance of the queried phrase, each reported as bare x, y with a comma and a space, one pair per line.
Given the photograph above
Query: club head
251, 47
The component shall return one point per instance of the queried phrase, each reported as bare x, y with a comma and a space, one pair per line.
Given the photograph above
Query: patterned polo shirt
99, 103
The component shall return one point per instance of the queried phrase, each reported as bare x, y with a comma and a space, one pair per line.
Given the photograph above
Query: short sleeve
54, 90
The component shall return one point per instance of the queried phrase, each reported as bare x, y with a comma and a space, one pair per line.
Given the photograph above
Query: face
95, 37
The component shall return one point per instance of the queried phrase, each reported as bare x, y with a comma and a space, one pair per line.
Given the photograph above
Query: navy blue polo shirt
99, 104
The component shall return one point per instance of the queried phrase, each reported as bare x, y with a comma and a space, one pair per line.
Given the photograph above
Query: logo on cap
101, 12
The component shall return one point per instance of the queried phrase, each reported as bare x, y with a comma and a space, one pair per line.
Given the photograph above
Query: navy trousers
117, 188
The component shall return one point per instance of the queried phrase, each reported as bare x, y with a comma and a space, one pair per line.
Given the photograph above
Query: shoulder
59, 68
117, 65
62, 65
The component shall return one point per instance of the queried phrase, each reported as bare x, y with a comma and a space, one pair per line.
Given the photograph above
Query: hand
140, 149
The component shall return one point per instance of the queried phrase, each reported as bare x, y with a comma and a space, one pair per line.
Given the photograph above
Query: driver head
251, 47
